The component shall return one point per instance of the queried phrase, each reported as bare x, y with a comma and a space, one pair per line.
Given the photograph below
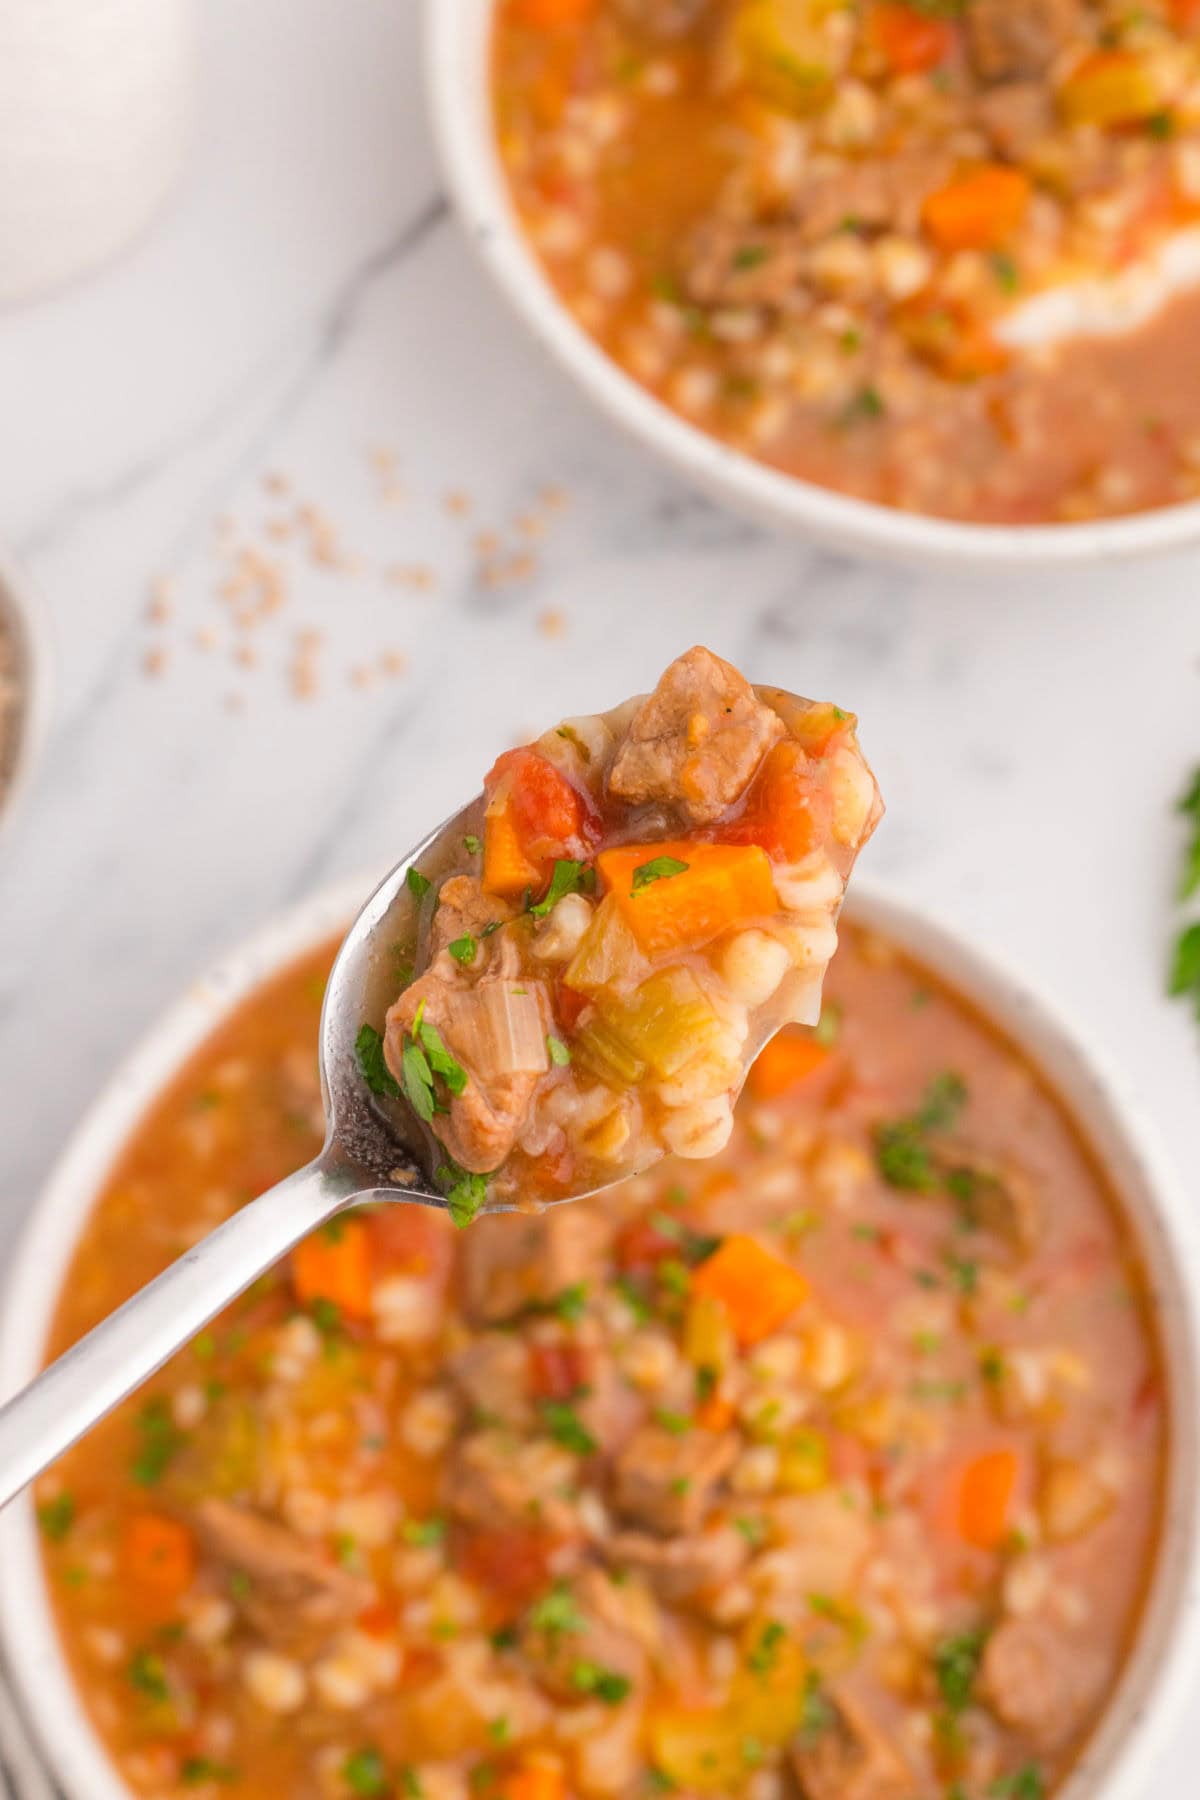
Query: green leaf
465, 1193
57, 1516
568, 878
556, 1612
1189, 880
862, 407
1026, 1783
677, 1423
567, 1428
440, 1059
659, 868
472, 845
1190, 800
903, 1157
160, 1441
418, 884
560, 1056
956, 1663
1185, 962
605, 1684
764, 1652
198, 1769
147, 1673
424, 1533
571, 1304
368, 1054
364, 1773
944, 1099
417, 1081
463, 949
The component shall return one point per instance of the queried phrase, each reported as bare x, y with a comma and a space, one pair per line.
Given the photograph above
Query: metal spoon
366, 1157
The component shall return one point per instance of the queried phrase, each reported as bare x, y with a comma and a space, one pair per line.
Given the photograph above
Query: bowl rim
23, 608
1155, 1681
456, 35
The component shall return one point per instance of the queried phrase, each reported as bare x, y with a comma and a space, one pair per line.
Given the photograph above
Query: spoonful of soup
566, 982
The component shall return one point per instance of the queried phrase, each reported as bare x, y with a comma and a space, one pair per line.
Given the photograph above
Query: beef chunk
483, 1122
996, 1197
850, 1757
680, 1568
512, 1261
1016, 115
877, 196
464, 910
1009, 39
664, 18
496, 1481
696, 742
293, 1589
744, 265
492, 1375
666, 1483
580, 1642
1039, 1682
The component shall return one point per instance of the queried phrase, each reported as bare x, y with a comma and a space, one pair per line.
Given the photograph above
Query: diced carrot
790, 1058
978, 210
553, 15
719, 886
379, 1620
987, 1489
1185, 15
335, 1264
758, 1290
535, 1781
157, 1556
506, 868
1109, 87
910, 40
787, 811
715, 1413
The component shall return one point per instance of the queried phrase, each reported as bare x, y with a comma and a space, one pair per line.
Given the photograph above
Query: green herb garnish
567, 1428
1027, 1783
364, 1773
148, 1675
368, 1054
764, 1652
198, 1769
556, 1613
463, 949
472, 845
560, 1056
956, 1666
423, 1532
465, 1193
750, 256
418, 885
568, 878
160, 1439
605, 1684
659, 868
57, 1516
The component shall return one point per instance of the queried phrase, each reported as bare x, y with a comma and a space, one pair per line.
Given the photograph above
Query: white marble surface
307, 297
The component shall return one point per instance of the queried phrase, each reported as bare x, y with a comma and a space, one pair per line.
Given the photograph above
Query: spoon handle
117, 1355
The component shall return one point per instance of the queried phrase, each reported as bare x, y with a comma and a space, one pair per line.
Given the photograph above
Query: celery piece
667, 1023
601, 1051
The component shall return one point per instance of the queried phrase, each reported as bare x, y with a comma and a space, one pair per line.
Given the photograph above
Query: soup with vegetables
650, 893
826, 233
830, 1469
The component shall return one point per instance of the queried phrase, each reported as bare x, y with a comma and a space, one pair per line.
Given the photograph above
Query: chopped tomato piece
910, 40
787, 811
790, 1058
558, 1371
511, 1563
534, 815
678, 895
157, 1557
641, 1246
411, 1240
758, 1290
979, 210
335, 1264
570, 1005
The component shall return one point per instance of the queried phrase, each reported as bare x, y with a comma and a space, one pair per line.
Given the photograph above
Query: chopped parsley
659, 868
677, 1423
1183, 981
148, 1675
57, 1516
956, 1666
1004, 268
465, 1193
571, 1304
560, 1056
364, 1773
605, 1684
198, 1769
1026, 1783
567, 1428
816, 1712
556, 1613
903, 1153
865, 405
764, 1652
424, 1058
368, 1054
472, 845
418, 884
160, 1439
423, 1532
464, 949
634, 1299
568, 878
752, 1529
750, 256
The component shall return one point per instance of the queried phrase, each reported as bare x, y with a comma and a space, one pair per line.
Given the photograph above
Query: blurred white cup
95, 109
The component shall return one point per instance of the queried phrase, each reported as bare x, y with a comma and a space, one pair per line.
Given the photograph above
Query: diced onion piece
499, 1027
608, 955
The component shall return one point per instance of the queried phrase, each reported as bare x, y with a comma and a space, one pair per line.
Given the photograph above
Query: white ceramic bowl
21, 613
1118, 1762
457, 71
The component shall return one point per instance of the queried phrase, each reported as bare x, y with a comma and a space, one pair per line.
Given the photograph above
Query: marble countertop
308, 314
